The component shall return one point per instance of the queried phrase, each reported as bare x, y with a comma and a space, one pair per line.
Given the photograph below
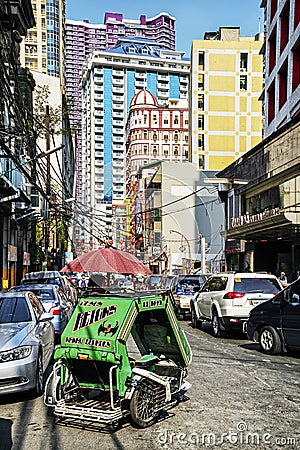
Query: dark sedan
275, 324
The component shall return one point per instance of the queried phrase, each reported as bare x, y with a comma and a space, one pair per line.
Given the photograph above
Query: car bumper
18, 376
234, 323
183, 304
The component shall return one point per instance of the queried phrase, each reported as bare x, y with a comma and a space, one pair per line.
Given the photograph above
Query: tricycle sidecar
118, 351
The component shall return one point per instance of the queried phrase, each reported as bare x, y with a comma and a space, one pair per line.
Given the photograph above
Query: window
201, 102
200, 122
244, 61
200, 141
271, 103
201, 82
283, 76
176, 120
243, 82
296, 67
145, 147
273, 9
201, 60
284, 26
272, 50
201, 162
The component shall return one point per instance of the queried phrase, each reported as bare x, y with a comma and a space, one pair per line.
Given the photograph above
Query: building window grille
201, 61
243, 82
244, 61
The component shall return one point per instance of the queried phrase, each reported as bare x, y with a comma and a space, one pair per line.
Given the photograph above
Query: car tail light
55, 310
233, 295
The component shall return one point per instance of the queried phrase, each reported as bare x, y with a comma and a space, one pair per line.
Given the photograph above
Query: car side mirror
44, 317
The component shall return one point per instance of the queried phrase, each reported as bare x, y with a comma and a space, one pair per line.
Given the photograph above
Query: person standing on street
283, 279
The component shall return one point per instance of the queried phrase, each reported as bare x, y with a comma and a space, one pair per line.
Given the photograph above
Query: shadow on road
5, 433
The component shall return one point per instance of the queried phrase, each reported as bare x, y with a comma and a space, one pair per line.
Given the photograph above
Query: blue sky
193, 17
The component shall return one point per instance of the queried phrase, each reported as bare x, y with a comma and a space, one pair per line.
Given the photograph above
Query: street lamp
189, 248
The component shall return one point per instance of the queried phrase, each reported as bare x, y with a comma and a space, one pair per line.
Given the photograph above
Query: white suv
226, 299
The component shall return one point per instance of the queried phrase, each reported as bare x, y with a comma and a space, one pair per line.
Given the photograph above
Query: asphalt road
239, 399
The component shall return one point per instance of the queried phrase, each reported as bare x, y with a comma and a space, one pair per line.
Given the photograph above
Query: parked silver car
26, 342
54, 301
52, 277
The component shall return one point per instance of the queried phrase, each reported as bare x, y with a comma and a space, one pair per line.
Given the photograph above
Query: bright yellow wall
243, 144
256, 84
221, 143
256, 124
257, 65
221, 83
256, 105
243, 103
243, 123
221, 123
221, 103
219, 162
222, 62
255, 140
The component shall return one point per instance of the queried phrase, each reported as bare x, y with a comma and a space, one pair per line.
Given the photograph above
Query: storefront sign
246, 218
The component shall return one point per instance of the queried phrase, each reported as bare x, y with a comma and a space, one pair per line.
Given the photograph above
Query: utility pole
203, 262
48, 185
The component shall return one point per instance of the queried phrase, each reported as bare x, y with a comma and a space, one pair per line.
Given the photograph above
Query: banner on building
12, 253
26, 259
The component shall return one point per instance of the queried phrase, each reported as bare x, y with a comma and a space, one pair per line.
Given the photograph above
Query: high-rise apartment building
83, 38
282, 63
161, 28
225, 86
43, 48
110, 81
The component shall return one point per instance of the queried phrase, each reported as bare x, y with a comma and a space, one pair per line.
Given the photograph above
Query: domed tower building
153, 133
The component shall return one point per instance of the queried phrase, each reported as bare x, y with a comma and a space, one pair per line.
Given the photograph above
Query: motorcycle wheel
143, 406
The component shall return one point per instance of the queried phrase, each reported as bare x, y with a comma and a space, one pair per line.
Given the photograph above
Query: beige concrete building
225, 85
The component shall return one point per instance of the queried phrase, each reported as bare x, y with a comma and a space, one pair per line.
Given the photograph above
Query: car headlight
15, 353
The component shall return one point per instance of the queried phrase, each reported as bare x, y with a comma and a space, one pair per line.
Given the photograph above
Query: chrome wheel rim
215, 324
267, 340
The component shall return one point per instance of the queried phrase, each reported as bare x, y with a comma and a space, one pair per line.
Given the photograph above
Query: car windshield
13, 310
252, 285
187, 285
43, 294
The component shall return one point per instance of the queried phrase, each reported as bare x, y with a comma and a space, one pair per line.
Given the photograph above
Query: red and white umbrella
107, 260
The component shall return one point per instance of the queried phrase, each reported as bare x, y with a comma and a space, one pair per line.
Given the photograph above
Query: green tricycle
119, 355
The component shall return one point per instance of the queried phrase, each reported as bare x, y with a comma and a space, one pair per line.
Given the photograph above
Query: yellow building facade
225, 85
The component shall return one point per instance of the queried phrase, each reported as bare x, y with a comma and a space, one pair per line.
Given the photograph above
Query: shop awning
10, 193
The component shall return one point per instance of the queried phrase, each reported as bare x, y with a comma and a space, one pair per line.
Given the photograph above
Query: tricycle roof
104, 322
